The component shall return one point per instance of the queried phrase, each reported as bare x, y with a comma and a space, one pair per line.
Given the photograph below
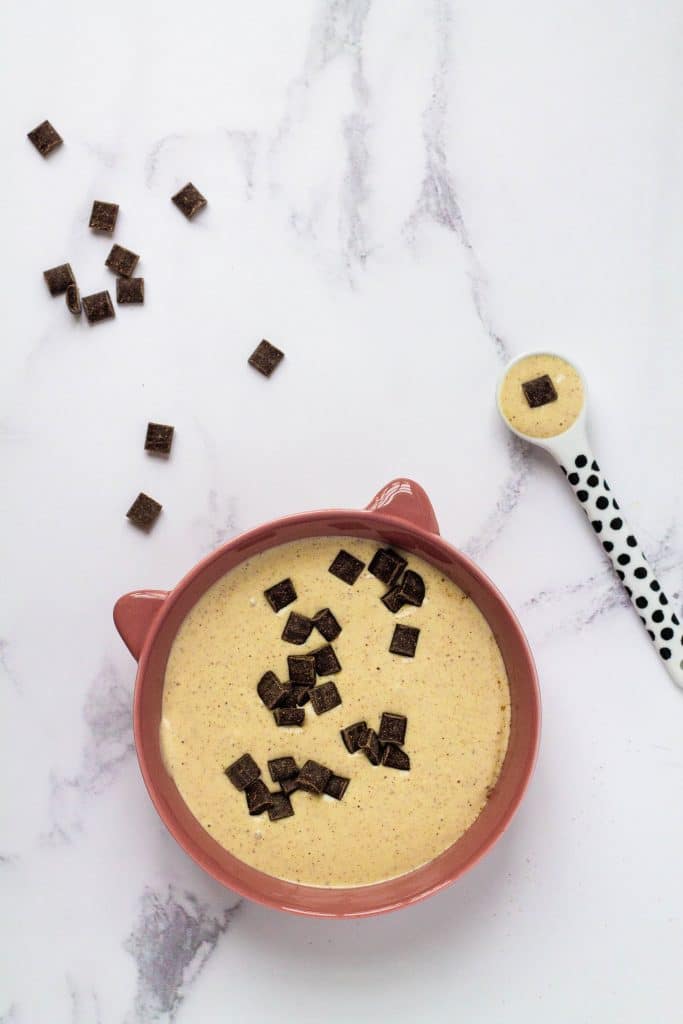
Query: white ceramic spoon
572, 451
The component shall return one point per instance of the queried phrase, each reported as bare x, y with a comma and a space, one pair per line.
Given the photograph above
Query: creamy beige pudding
454, 693
553, 415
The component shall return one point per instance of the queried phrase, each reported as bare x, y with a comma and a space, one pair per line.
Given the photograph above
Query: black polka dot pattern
630, 564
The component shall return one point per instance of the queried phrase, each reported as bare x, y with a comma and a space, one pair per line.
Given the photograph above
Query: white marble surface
400, 195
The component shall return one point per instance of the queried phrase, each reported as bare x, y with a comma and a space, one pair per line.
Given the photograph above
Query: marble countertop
401, 196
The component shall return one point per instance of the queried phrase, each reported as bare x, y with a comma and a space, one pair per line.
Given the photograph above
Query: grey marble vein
245, 146
154, 156
220, 522
509, 497
5, 667
108, 744
174, 937
11, 1015
336, 33
85, 1007
601, 592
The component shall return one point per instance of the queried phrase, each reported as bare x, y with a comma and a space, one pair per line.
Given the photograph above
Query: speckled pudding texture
545, 420
454, 693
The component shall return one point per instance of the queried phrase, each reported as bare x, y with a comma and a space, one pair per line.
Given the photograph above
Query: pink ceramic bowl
400, 514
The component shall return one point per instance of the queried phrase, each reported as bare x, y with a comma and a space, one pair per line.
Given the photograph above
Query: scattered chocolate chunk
412, 588
98, 307
122, 261
130, 291
352, 736
387, 565
301, 669
282, 768
300, 695
394, 757
404, 641
144, 511
265, 358
289, 700
392, 728
539, 391
394, 599
59, 278
280, 595
271, 691
159, 438
289, 786
289, 716
281, 807
337, 786
258, 796
346, 567
297, 629
371, 747
326, 661
189, 200
325, 697
45, 138
73, 299
243, 771
313, 777
103, 216
326, 624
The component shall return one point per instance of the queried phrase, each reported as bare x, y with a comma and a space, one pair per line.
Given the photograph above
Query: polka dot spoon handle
632, 567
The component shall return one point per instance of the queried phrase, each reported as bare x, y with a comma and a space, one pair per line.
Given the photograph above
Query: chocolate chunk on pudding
347, 567
243, 771
280, 594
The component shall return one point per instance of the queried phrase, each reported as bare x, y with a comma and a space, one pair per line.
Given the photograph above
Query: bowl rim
379, 522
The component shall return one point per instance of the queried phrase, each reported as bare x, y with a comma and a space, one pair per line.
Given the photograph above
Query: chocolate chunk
392, 728
130, 291
73, 299
290, 785
265, 358
122, 261
394, 599
539, 391
300, 695
313, 777
352, 736
404, 641
326, 624
394, 757
297, 629
243, 771
280, 594
289, 716
159, 438
301, 669
337, 786
59, 278
189, 200
271, 691
98, 307
103, 216
346, 567
282, 807
387, 565
282, 768
371, 747
144, 511
325, 697
258, 797
45, 138
412, 587
326, 661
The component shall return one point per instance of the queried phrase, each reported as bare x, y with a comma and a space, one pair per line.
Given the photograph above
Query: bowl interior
382, 896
